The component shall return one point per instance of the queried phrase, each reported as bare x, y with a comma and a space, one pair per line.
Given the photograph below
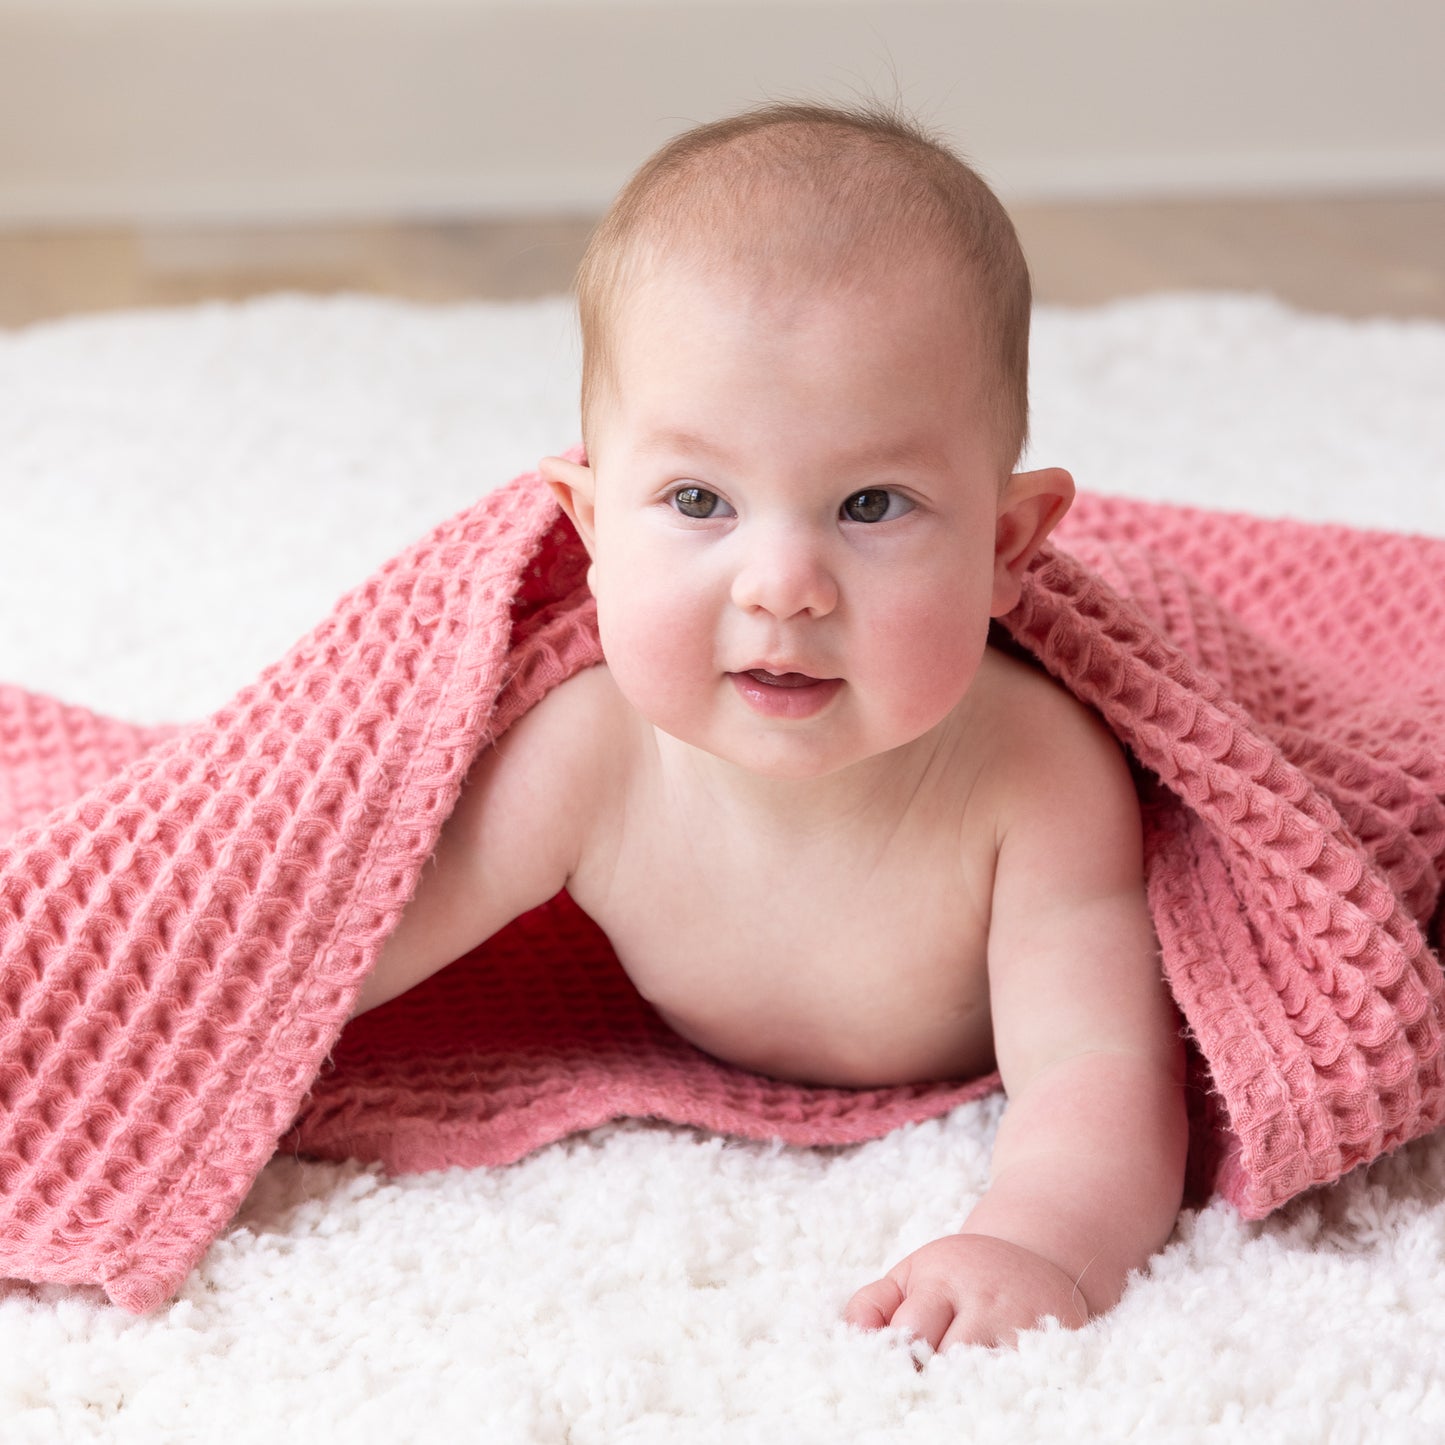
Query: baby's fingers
926, 1314
923, 1315
873, 1306
974, 1324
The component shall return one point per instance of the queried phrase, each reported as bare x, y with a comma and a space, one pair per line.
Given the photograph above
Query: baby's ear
572, 485
1031, 506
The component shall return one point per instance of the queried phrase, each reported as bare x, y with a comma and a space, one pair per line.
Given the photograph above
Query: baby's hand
969, 1289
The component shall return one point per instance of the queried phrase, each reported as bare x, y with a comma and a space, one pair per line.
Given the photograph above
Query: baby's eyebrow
681, 441
905, 453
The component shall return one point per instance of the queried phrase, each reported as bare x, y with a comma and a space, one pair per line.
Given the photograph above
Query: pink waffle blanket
187, 914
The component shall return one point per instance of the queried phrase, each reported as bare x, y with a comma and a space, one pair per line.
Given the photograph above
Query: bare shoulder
527, 812
1058, 763
544, 780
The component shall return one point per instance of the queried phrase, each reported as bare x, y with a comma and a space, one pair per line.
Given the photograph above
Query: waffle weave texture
187, 914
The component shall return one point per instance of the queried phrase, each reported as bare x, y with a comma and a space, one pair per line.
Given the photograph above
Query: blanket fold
187, 914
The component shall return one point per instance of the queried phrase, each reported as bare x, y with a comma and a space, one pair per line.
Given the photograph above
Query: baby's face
792, 512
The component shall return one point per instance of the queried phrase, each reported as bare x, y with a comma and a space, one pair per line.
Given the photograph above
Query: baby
832, 834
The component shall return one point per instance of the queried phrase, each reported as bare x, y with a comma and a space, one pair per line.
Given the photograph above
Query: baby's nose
787, 577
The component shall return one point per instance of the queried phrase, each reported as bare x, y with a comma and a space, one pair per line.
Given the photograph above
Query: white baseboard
151, 110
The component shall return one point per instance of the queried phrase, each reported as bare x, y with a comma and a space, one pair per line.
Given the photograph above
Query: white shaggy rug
182, 493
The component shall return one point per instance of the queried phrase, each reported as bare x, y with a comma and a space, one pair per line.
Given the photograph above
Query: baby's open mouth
784, 679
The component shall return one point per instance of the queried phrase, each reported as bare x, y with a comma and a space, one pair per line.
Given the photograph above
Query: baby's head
794, 200
805, 354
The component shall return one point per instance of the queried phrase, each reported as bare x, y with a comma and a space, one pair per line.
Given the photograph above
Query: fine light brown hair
791, 189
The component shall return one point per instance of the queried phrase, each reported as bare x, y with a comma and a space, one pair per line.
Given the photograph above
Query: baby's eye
875, 505
699, 503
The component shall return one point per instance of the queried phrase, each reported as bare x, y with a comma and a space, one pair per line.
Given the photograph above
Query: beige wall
238, 109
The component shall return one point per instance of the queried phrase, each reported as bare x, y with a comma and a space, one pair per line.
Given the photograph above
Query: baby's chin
796, 762
819, 750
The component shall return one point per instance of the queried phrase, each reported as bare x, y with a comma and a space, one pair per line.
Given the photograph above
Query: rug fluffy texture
645, 1282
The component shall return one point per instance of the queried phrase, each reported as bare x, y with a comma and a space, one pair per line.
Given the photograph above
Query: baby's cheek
651, 643
934, 655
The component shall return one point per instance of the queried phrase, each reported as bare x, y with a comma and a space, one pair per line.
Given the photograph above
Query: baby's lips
783, 679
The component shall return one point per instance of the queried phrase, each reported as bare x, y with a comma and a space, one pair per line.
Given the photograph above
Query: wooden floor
1355, 256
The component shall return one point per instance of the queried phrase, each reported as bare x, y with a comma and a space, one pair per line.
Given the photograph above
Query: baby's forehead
699, 335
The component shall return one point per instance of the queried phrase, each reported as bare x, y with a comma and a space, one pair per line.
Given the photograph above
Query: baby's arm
511, 842
1089, 1161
